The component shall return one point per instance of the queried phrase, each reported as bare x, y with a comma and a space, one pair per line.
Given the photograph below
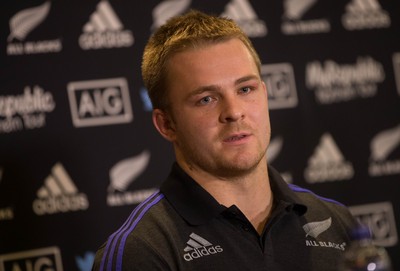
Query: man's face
218, 118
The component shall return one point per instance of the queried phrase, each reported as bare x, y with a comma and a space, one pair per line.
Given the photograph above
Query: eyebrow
211, 88
245, 79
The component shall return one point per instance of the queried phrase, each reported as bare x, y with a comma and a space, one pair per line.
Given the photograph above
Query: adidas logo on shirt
244, 15
104, 30
198, 247
59, 194
327, 163
365, 14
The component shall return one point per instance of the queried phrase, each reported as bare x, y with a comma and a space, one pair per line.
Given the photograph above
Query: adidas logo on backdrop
59, 194
244, 15
104, 30
327, 163
198, 247
365, 14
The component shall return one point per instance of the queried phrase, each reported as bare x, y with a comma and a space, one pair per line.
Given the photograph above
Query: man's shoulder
133, 233
319, 206
311, 197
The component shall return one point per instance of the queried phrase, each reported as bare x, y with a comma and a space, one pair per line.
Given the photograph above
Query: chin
239, 167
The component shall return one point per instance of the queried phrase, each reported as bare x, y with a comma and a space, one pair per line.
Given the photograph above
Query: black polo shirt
183, 227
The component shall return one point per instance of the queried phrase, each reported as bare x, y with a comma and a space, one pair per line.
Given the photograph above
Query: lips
236, 137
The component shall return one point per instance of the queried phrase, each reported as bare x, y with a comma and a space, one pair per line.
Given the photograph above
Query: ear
164, 124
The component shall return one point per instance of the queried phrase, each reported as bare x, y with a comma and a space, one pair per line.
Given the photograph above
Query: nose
231, 109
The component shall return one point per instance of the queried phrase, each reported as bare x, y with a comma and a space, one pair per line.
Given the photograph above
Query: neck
250, 192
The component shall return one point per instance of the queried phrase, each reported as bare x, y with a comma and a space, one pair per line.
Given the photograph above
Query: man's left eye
245, 90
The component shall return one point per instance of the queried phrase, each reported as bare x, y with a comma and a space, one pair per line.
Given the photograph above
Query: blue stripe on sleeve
127, 232
127, 226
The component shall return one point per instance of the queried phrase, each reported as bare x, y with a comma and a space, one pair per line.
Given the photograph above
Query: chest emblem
314, 229
198, 247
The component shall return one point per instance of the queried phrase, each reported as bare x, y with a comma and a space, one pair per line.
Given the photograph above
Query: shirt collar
283, 194
197, 206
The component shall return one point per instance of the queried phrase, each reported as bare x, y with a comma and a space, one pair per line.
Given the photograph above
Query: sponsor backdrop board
78, 150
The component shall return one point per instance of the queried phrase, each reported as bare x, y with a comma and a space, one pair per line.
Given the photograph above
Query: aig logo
281, 87
379, 217
48, 259
99, 102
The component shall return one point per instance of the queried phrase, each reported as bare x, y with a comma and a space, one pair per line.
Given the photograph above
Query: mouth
236, 138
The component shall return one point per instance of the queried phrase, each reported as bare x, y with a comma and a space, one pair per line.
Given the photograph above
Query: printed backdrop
78, 150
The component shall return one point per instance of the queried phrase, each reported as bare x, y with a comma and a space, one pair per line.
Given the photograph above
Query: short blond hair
188, 31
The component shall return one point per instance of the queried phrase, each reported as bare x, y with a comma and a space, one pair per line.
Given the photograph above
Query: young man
221, 207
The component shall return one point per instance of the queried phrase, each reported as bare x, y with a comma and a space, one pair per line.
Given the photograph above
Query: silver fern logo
168, 9
293, 22
274, 148
127, 170
382, 146
384, 143
23, 23
124, 173
295, 9
314, 229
